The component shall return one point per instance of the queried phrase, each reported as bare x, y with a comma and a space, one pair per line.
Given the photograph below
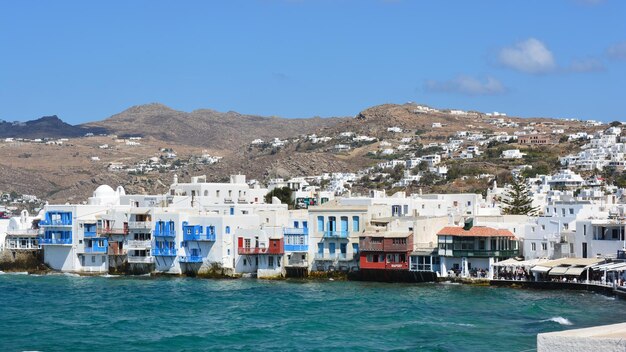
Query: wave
71, 274
559, 320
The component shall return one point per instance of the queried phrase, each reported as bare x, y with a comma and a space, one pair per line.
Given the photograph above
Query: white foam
71, 274
559, 320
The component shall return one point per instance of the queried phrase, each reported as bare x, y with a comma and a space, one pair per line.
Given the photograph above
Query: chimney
469, 223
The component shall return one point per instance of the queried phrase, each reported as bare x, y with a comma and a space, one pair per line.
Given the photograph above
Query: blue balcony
296, 231
296, 247
335, 234
196, 233
90, 231
199, 237
164, 252
51, 241
56, 218
164, 229
190, 259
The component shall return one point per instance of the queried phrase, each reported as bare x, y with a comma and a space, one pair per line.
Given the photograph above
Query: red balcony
399, 244
371, 244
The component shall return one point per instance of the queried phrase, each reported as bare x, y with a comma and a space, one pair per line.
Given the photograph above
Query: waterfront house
472, 250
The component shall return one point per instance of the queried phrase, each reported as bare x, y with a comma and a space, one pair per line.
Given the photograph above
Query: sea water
60, 313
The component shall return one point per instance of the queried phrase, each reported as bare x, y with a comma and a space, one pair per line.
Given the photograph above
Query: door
584, 249
320, 249
343, 247
331, 248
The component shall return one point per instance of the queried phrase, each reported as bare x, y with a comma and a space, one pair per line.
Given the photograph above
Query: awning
558, 270
575, 271
508, 262
540, 269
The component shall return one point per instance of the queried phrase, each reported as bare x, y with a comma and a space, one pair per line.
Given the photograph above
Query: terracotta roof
475, 231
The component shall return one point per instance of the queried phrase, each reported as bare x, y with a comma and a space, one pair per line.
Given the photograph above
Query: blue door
305, 224
343, 247
331, 248
320, 249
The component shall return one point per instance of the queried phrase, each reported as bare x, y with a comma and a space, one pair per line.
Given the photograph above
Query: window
320, 223
206, 193
571, 211
544, 246
565, 226
104, 258
227, 229
93, 258
563, 211
245, 262
217, 193
543, 227
355, 223
270, 261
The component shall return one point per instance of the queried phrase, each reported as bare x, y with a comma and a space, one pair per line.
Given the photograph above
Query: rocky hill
45, 127
206, 128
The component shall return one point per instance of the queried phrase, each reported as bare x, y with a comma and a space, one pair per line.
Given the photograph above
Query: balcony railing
296, 231
55, 223
140, 225
484, 253
90, 234
190, 259
140, 260
111, 231
51, 241
25, 233
296, 248
164, 252
252, 250
370, 246
336, 234
199, 237
164, 232
96, 249
138, 244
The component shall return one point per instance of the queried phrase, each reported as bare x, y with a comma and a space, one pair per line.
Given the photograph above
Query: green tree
517, 200
284, 194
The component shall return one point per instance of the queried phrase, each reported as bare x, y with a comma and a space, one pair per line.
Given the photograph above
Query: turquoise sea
67, 313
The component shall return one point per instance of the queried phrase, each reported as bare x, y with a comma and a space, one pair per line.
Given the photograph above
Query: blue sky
87, 60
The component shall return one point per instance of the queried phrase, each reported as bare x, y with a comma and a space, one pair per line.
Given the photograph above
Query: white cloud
466, 85
530, 55
586, 65
617, 51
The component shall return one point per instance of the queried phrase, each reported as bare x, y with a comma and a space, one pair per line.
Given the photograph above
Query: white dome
104, 191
